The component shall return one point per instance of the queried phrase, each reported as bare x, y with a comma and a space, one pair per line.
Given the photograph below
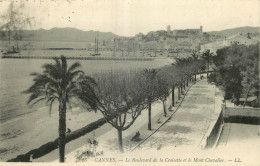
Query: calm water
14, 78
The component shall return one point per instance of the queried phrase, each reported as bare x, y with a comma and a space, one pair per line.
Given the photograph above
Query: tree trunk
181, 89
187, 83
62, 129
237, 98
120, 140
149, 116
179, 93
9, 37
195, 77
246, 97
208, 69
173, 87
183, 84
164, 108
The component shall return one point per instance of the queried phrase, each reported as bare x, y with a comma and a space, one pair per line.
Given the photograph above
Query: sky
129, 17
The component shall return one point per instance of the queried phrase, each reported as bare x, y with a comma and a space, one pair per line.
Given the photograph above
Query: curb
138, 145
219, 134
213, 121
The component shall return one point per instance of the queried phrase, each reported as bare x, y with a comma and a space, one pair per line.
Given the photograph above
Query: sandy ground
240, 142
24, 133
244, 134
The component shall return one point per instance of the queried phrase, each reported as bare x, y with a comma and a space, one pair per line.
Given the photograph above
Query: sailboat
96, 47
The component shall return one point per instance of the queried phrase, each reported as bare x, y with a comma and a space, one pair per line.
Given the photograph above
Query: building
184, 33
168, 29
228, 41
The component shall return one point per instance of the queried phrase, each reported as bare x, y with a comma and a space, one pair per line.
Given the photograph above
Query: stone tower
168, 29
201, 29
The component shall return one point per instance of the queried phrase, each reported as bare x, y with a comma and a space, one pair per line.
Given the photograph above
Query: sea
15, 77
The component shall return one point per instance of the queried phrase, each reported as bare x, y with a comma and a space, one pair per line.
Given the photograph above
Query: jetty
80, 58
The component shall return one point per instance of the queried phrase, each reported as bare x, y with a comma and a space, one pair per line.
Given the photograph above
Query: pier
80, 58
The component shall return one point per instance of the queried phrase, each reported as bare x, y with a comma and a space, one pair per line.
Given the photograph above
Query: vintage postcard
129, 82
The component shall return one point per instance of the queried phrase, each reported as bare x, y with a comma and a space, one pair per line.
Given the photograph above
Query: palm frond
52, 70
73, 75
73, 67
43, 98
56, 81
50, 107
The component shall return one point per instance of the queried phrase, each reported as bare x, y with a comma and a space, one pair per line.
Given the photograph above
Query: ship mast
97, 42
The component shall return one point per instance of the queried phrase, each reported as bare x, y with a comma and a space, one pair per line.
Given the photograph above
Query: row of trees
237, 71
119, 96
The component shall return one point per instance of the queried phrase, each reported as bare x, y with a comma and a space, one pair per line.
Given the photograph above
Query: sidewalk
189, 123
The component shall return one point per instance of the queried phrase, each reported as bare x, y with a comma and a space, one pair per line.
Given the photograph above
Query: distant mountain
66, 34
230, 32
76, 35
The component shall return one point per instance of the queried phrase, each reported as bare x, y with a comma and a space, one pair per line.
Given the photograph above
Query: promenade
188, 125
185, 129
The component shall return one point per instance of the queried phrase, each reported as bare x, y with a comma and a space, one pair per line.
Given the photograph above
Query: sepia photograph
129, 82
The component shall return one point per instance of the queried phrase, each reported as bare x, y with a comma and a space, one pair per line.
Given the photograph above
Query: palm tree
61, 83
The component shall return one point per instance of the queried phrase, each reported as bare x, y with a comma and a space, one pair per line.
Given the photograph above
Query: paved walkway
189, 124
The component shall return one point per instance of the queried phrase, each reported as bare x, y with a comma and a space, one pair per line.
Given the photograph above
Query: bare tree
121, 98
162, 90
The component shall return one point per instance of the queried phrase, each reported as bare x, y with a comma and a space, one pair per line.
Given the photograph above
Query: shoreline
32, 129
156, 63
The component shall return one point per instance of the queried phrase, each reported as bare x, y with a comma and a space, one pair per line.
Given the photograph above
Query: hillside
76, 35
229, 32
64, 35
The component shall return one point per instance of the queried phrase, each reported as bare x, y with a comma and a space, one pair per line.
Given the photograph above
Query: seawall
81, 58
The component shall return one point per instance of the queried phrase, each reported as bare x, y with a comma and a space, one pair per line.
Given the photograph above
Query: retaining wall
242, 115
